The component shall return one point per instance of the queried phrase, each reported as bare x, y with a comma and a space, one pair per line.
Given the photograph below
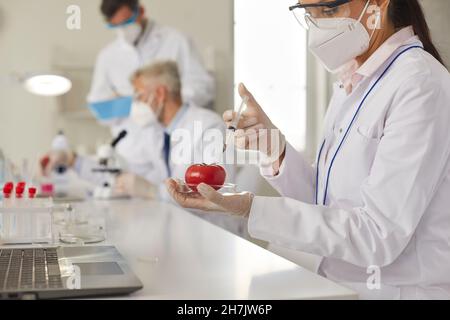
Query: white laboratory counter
178, 255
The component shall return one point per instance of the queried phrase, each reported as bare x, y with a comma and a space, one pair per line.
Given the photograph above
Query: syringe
234, 124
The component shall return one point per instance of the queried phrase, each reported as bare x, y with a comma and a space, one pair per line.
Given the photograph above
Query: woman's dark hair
404, 13
110, 7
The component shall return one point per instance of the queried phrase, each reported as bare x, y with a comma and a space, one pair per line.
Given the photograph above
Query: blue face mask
115, 109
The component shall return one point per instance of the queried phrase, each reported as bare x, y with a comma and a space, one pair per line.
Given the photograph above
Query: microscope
109, 168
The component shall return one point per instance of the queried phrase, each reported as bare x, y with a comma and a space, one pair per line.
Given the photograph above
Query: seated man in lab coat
170, 132
158, 115
188, 135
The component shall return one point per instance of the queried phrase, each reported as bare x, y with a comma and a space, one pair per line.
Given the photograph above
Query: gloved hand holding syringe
253, 130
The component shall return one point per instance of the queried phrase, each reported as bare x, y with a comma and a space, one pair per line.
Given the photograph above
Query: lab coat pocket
354, 163
364, 145
368, 134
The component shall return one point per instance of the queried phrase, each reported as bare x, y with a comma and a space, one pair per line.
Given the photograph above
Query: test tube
8, 189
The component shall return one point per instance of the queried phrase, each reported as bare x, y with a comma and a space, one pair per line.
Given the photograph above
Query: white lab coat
117, 62
389, 192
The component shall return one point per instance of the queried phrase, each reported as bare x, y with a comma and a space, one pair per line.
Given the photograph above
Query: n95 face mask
142, 115
338, 41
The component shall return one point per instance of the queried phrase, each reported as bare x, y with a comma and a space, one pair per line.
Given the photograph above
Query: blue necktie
166, 153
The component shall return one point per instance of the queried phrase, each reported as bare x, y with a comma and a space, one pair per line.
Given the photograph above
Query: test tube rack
26, 221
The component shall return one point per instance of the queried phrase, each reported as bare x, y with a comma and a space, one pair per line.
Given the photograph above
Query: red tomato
212, 175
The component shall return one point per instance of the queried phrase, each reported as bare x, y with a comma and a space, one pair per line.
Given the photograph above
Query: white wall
33, 37
437, 13
273, 66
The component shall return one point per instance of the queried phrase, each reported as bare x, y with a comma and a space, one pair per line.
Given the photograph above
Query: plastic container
227, 188
26, 221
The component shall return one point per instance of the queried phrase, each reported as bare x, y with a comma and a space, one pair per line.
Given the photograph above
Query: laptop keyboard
29, 269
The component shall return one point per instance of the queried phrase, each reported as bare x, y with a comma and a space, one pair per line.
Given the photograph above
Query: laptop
64, 272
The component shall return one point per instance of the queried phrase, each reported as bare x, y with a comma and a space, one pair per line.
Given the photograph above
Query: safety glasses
127, 22
317, 13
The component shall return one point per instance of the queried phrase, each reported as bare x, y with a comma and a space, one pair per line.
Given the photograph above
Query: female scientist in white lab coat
379, 194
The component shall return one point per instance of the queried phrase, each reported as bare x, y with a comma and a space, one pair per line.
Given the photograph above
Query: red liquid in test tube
20, 189
32, 193
7, 190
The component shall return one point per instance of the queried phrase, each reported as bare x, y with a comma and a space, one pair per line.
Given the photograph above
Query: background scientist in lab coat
378, 196
141, 41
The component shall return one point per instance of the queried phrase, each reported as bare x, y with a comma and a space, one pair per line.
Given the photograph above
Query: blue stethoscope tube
348, 131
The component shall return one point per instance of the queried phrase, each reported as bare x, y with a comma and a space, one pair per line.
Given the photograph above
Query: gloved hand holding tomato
205, 181
208, 199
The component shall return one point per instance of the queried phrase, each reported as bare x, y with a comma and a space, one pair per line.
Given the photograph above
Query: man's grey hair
164, 73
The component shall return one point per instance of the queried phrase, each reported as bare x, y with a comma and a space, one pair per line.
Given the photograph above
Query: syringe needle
233, 127
230, 134
240, 111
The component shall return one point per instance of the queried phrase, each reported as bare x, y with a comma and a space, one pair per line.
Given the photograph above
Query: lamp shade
47, 85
